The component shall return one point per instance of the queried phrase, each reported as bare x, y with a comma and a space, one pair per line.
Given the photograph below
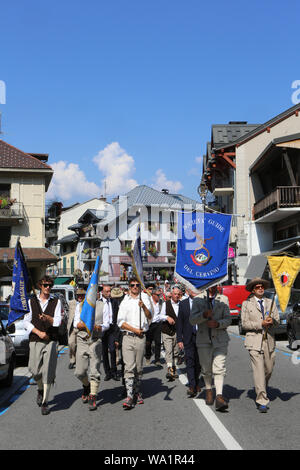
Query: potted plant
152, 250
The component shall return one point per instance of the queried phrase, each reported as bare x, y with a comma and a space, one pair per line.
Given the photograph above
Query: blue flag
87, 315
19, 300
137, 263
202, 249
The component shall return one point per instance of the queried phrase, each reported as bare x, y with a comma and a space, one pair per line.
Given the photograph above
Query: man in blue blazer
186, 339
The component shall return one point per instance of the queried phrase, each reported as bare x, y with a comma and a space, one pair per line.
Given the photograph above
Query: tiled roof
31, 254
145, 196
227, 133
11, 157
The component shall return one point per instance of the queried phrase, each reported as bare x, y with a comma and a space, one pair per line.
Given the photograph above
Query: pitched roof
272, 122
227, 133
31, 254
11, 157
145, 196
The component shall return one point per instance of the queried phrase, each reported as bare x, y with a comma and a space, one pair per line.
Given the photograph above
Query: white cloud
161, 182
117, 168
69, 182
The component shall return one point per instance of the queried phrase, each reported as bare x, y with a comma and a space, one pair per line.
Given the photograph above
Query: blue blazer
184, 329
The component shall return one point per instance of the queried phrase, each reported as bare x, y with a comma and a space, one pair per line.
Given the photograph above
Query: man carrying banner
259, 314
42, 323
210, 311
133, 316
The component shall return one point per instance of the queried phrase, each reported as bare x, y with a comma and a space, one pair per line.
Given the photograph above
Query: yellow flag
284, 270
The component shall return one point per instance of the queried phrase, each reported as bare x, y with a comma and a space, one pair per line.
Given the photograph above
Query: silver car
17, 332
7, 358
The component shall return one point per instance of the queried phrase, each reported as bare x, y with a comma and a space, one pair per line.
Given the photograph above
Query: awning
62, 280
258, 263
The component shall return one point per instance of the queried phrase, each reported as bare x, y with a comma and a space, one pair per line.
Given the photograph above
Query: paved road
167, 420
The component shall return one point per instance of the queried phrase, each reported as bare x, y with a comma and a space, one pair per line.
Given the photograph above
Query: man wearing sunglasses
134, 314
42, 322
260, 340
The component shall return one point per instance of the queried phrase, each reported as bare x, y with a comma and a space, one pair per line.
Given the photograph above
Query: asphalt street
167, 420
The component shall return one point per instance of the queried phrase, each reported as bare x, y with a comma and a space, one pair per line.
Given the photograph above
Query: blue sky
127, 91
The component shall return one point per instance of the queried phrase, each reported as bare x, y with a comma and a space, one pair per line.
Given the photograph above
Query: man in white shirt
42, 323
110, 311
135, 312
88, 355
154, 332
168, 315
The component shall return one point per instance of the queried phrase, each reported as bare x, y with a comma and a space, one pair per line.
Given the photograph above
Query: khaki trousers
213, 364
72, 343
171, 349
133, 350
262, 366
88, 359
42, 361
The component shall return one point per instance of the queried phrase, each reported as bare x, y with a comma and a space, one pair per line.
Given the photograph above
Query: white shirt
156, 312
44, 304
258, 302
129, 312
163, 314
105, 325
107, 311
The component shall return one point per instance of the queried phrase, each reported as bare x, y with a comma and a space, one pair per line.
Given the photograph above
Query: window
5, 234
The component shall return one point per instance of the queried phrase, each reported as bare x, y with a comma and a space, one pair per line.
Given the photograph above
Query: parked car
17, 332
67, 291
293, 326
236, 295
281, 328
7, 358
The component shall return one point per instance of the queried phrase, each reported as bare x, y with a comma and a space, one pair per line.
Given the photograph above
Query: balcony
283, 202
13, 214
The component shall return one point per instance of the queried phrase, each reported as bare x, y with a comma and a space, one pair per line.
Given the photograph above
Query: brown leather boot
221, 403
209, 396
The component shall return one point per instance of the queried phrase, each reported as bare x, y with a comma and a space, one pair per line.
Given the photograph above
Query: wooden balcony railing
281, 197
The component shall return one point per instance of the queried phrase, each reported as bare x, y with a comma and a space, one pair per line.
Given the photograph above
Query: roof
227, 133
67, 239
31, 254
11, 157
261, 128
94, 214
145, 196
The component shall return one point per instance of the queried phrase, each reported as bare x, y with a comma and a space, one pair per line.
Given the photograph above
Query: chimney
165, 191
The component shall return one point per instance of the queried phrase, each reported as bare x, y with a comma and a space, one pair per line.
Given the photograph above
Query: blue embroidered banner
202, 249
19, 300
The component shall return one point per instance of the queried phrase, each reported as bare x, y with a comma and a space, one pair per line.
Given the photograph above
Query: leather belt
130, 333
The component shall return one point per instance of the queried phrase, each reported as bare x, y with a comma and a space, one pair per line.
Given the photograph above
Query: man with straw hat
259, 315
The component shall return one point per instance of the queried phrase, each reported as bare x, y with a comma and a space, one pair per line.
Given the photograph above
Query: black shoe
85, 393
191, 392
116, 377
71, 366
45, 410
107, 377
39, 398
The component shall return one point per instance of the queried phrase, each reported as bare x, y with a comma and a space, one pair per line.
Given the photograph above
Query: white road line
226, 438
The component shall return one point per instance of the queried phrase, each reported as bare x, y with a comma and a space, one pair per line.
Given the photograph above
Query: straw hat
255, 281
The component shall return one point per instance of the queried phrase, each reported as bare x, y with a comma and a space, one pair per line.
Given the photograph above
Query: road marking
224, 435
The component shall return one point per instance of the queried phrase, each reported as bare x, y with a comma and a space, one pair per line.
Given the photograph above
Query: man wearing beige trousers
210, 311
135, 313
260, 340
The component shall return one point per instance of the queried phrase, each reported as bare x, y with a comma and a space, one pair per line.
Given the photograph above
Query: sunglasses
47, 285
134, 285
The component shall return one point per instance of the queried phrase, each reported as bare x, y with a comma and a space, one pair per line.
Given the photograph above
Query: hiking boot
209, 397
191, 392
45, 409
170, 375
128, 403
39, 398
221, 403
92, 402
139, 399
85, 394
